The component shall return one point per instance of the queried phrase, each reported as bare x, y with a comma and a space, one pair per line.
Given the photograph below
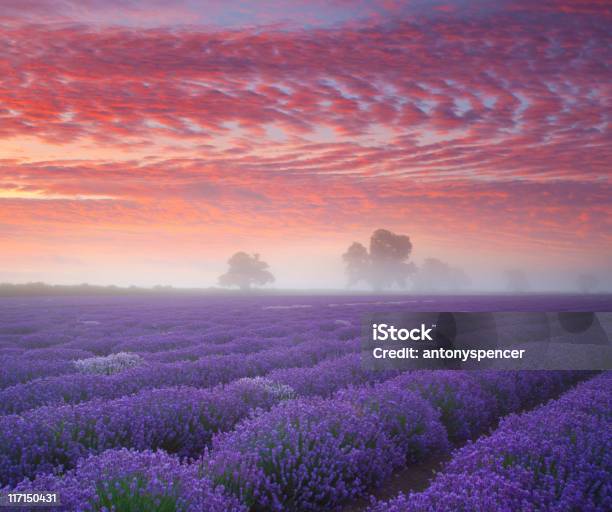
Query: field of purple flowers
262, 404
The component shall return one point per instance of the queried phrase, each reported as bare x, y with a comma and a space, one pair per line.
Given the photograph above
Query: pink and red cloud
492, 119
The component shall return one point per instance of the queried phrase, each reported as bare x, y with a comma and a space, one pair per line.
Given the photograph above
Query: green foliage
131, 495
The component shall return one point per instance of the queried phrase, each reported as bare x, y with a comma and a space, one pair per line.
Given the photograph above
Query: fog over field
319, 272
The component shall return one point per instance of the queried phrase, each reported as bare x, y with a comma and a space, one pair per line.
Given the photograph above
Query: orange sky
144, 143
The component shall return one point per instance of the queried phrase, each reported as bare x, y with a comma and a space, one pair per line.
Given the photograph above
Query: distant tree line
382, 265
385, 264
38, 289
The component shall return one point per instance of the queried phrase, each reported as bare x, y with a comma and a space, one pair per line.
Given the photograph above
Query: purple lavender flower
555, 458
466, 408
178, 420
128, 480
410, 421
303, 455
204, 372
329, 375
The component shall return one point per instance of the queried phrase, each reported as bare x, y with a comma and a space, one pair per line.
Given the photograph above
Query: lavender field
261, 403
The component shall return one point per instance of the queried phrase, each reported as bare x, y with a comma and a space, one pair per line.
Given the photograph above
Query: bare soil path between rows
417, 477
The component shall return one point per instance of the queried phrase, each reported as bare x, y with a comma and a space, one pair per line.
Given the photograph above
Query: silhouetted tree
357, 262
516, 280
435, 275
384, 265
587, 283
246, 270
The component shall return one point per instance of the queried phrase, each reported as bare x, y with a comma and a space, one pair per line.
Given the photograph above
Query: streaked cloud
470, 124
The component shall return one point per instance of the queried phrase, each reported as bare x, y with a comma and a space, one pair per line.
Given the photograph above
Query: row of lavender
555, 458
205, 372
43, 338
37, 364
314, 453
180, 420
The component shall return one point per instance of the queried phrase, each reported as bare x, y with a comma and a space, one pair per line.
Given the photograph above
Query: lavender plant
408, 420
134, 481
466, 409
108, 365
276, 389
305, 454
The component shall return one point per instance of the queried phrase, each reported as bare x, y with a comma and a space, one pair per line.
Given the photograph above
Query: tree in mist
587, 283
246, 270
435, 275
516, 280
384, 265
357, 262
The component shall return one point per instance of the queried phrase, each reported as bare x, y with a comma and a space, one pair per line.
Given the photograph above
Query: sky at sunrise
144, 142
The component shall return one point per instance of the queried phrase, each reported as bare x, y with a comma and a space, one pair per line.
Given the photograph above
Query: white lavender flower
276, 389
108, 365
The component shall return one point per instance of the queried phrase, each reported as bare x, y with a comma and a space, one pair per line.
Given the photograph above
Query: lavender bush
276, 389
124, 480
466, 409
515, 390
108, 365
408, 420
17, 369
305, 454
